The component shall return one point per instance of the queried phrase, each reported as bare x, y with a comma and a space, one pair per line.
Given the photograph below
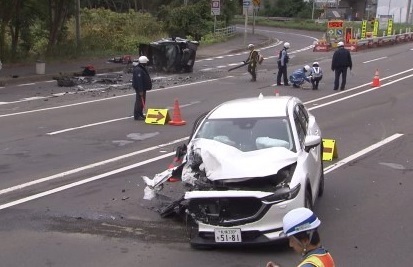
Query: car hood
224, 162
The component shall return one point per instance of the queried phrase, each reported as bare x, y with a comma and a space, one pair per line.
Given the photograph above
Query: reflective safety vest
319, 260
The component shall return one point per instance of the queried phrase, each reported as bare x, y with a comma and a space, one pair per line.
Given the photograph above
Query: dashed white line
63, 174
105, 99
368, 61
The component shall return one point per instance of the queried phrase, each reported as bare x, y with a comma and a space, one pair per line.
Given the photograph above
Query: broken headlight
282, 194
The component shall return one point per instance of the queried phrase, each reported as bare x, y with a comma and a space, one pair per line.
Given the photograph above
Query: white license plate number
232, 235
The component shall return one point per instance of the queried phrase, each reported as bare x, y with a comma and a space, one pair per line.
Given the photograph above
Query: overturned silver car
248, 162
170, 54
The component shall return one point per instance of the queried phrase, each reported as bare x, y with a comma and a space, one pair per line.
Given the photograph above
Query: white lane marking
90, 166
368, 61
357, 87
328, 169
109, 121
361, 153
129, 167
25, 84
64, 93
85, 181
110, 98
357, 94
87, 125
232, 64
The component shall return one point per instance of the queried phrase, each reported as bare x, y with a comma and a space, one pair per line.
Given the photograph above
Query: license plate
232, 235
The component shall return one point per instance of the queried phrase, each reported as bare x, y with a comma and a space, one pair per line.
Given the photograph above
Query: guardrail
226, 32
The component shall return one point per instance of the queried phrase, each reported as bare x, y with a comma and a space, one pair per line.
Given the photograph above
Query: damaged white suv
248, 162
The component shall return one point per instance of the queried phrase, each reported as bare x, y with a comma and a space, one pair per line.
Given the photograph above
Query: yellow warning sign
157, 116
329, 149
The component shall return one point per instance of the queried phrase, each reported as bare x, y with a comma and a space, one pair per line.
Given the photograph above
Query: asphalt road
71, 165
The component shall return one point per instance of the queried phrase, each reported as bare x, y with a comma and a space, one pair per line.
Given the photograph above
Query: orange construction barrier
376, 79
176, 118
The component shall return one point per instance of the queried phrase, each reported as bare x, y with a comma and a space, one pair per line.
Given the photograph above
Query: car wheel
308, 202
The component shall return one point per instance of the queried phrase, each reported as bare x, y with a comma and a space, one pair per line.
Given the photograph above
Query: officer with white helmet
141, 82
300, 226
316, 75
299, 76
339, 64
282, 62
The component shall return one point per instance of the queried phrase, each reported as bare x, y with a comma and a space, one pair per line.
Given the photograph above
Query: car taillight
282, 194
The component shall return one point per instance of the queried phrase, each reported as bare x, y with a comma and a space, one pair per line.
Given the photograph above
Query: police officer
300, 226
141, 82
299, 76
316, 75
341, 61
282, 62
252, 62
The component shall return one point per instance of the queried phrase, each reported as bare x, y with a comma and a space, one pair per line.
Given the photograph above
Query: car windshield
248, 134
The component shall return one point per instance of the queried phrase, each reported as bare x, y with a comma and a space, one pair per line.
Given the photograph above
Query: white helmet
299, 220
307, 68
340, 44
287, 45
315, 63
143, 60
250, 46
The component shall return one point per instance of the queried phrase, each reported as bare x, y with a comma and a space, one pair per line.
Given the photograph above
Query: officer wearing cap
141, 82
341, 61
300, 226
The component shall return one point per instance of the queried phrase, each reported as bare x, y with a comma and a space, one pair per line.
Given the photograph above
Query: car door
310, 160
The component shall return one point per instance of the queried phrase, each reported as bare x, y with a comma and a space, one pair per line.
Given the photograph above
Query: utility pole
77, 3
409, 6
312, 13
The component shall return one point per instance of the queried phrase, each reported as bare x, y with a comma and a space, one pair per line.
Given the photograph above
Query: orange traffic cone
176, 118
376, 79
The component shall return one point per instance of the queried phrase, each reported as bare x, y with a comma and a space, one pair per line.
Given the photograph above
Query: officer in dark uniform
141, 82
341, 61
282, 62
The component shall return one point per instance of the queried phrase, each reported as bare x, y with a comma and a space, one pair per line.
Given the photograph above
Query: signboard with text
215, 7
335, 24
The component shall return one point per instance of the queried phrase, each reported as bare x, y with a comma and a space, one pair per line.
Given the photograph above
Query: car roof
256, 107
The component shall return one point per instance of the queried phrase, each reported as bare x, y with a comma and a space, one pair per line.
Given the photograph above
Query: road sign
334, 24
157, 116
246, 3
339, 32
215, 7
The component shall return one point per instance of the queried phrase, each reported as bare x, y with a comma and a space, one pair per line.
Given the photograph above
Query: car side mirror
311, 141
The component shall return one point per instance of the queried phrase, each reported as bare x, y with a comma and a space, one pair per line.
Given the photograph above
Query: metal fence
226, 32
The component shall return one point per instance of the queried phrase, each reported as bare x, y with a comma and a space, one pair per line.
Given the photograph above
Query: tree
194, 19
